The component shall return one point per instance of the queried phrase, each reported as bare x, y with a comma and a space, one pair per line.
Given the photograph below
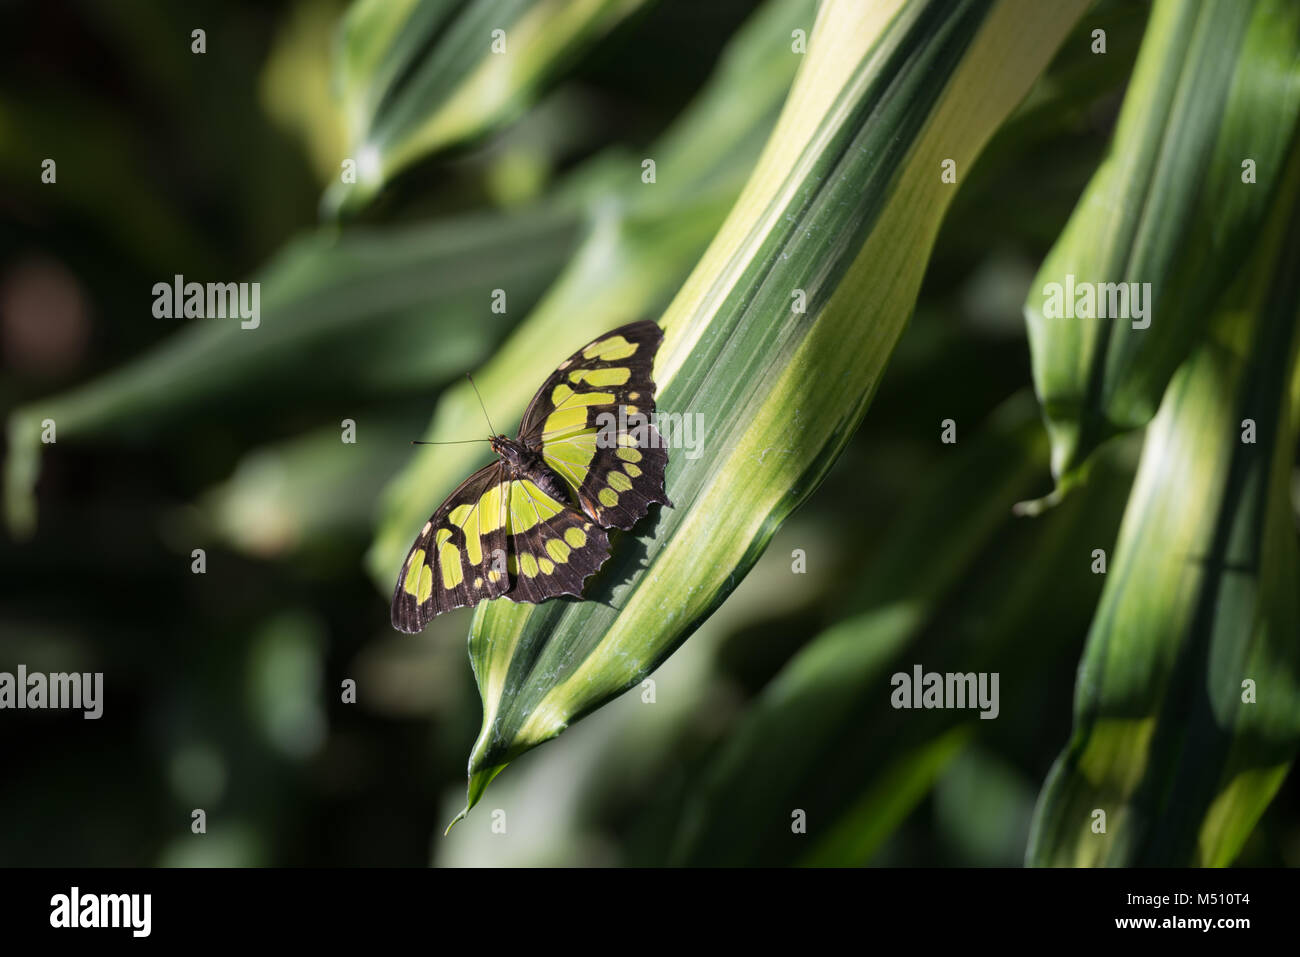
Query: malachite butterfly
531, 525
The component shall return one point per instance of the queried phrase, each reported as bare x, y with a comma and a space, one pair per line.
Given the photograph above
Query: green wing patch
553, 548
591, 421
460, 556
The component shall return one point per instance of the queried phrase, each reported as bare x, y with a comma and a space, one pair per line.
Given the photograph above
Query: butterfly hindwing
625, 478
461, 554
553, 547
591, 421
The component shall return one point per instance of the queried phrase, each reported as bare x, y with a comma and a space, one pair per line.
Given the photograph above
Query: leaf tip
456, 820
22, 468
1032, 508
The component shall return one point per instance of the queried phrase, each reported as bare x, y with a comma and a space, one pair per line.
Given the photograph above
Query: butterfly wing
552, 547
499, 534
591, 421
460, 556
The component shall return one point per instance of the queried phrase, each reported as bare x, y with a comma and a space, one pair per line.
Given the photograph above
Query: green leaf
824, 736
1216, 84
288, 496
417, 76
1187, 710
764, 765
368, 312
855, 838
642, 241
844, 205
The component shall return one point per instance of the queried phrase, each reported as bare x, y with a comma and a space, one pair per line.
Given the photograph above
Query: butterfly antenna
457, 442
480, 402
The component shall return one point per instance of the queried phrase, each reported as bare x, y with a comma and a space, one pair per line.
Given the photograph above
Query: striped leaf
839, 217
1187, 710
642, 241
417, 76
1193, 170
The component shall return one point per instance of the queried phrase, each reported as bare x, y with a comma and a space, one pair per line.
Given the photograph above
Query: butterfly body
522, 462
532, 525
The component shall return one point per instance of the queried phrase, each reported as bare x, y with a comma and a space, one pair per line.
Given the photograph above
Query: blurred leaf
208, 105
284, 684
1029, 582
983, 808
844, 205
233, 844
1031, 174
855, 837
784, 738
417, 76
1216, 83
824, 736
370, 312
1078, 78
643, 240
1200, 599
295, 85
311, 489
35, 126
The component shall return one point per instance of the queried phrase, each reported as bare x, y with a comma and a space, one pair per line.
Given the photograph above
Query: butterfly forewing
591, 421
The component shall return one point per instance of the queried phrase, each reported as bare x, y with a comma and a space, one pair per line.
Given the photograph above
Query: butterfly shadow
629, 556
